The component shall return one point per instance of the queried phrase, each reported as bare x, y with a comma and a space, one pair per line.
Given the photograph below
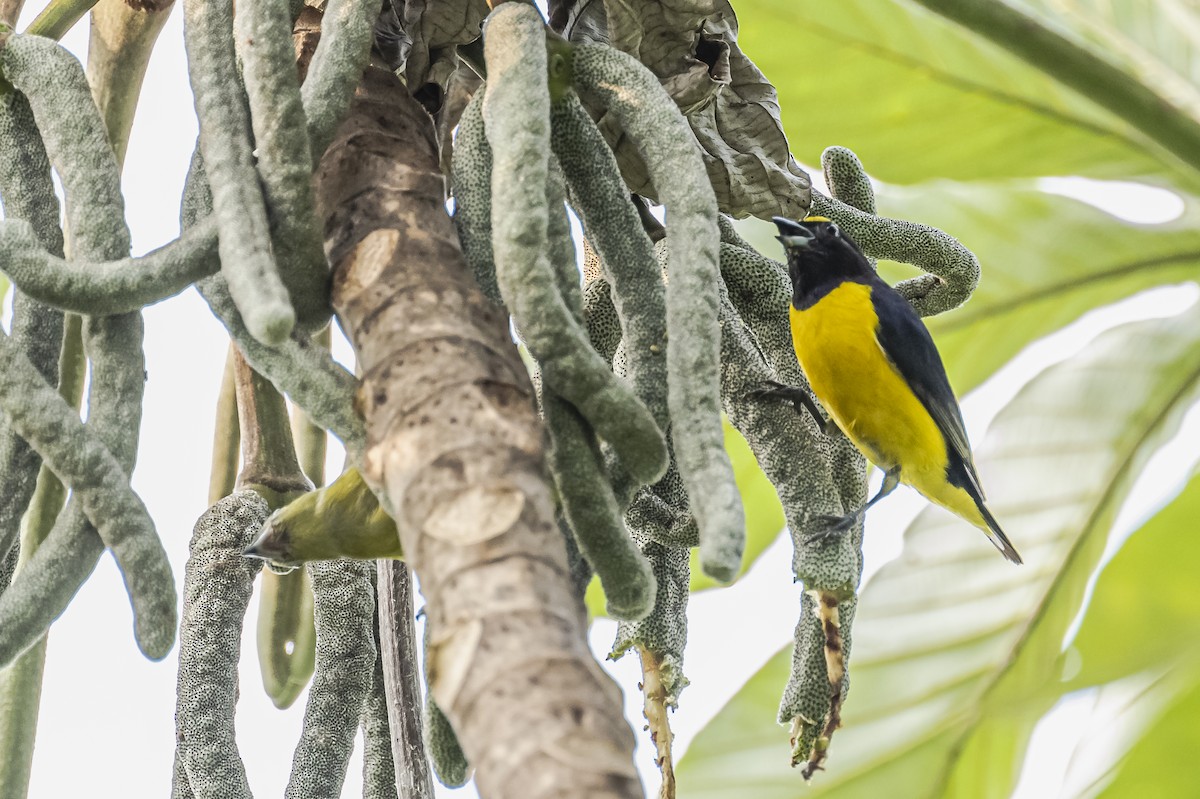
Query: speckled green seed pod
336, 67
37, 329
282, 155
77, 145
449, 763
614, 230
217, 584
664, 631
344, 603
225, 140
472, 178
634, 96
516, 115
298, 367
953, 269
108, 287
379, 769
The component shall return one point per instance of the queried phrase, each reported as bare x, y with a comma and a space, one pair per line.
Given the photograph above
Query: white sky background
107, 717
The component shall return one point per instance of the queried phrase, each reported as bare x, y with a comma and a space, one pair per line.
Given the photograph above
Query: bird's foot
828, 528
801, 401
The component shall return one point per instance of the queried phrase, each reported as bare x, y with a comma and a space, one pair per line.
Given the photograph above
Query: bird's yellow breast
867, 397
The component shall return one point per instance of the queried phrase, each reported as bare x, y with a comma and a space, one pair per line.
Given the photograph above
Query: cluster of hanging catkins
672, 326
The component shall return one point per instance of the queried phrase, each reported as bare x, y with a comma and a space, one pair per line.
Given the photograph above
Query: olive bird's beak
792, 233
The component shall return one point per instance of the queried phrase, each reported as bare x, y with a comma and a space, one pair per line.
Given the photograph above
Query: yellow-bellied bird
872, 364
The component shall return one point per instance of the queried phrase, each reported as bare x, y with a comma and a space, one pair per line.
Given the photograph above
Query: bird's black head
820, 256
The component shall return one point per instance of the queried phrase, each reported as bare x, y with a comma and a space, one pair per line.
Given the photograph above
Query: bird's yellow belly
860, 388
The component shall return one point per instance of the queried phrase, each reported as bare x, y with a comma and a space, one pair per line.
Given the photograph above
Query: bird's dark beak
792, 233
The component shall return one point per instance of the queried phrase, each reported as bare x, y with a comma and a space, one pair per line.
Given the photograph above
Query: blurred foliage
958, 656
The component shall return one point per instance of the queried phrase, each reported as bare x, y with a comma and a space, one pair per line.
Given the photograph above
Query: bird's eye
834, 230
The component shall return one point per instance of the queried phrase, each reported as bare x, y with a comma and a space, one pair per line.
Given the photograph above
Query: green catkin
37, 329
450, 764
337, 66
472, 178
109, 287
600, 317
847, 180
283, 155
99, 483
592, 511
76, 143
952, 270
379, 769
516, 115
344, 604
225, 140
298, 367
217, 584
588, 503
663, 513
664, 631
614, 230
650, 118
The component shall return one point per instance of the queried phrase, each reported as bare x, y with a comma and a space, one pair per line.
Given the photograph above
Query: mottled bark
456, 445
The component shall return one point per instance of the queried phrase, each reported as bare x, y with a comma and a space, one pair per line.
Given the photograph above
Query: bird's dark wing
908, 345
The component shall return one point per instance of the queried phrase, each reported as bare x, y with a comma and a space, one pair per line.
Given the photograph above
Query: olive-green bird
873, 365
341, 520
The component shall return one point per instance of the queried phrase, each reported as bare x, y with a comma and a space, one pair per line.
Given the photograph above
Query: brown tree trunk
455, 442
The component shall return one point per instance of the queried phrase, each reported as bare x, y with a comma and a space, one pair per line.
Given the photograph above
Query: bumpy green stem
217, 586
58, 17
634, 96
588, 502
282, 149
21, 682
593, 514
50, 578
516, 113
345, 661
225, 139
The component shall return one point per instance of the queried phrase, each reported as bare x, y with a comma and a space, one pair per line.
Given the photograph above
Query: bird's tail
997, 536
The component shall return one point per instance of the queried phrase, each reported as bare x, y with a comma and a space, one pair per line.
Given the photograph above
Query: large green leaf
1154, 40
1145, 611
1160, 763
1143, 620
1046, 261
953, 646
917, 97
